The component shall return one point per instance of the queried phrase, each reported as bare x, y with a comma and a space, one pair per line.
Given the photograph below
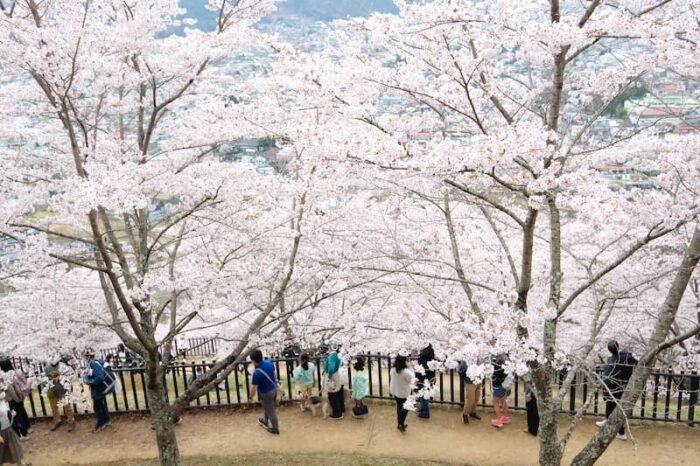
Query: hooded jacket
426, 355
618, 371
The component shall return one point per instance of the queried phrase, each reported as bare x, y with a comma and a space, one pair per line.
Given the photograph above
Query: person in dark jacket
616, 374
533, 414
426, 379
95, 377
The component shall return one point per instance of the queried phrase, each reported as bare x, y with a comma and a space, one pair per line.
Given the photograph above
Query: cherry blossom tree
474, 124
127, 224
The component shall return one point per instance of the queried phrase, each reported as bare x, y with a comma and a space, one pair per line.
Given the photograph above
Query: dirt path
442, 438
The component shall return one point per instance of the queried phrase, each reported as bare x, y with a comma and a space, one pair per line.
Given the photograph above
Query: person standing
616, 374
400, 379
533, 414
126, 357
426, 379
471, 394
17, 392
100, 386
57, 391
305, 378
500, 395
333, 382
265, 388
360, 388
10, 447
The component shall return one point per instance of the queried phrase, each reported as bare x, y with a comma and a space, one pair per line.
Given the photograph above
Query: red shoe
505, 420
496, 423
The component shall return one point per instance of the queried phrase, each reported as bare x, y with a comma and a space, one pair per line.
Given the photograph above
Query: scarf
332, 364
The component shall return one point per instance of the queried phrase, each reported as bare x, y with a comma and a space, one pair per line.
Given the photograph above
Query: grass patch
287, 459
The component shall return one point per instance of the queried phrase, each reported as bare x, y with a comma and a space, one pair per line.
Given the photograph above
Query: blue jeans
424, 410
100, 406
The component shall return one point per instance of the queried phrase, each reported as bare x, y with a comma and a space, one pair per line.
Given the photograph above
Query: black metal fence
670, 397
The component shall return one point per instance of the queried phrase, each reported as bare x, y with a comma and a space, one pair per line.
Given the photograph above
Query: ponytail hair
304, 358
359, 364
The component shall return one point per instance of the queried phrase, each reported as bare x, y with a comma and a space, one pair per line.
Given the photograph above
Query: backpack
109, 385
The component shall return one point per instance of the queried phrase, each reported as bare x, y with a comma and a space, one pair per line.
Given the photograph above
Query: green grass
287, 459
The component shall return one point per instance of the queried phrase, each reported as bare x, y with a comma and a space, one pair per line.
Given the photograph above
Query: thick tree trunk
550, 448
162, 416
548, 404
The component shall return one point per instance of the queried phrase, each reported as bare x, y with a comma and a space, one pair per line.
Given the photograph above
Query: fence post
572, 396
667, 406
679, 406
369, 371
379, 367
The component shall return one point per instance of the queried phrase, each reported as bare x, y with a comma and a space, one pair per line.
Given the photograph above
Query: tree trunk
550, 449
161, 415
548, 404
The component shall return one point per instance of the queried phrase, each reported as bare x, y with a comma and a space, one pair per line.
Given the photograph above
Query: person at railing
334, 385
10, 447
100, 386
400, 380
17, 392
59, 385
616, 374
499, 384
305, 379
181, 346
265, 387
471, 393
127, 358
360, 388
533, 414
426, 379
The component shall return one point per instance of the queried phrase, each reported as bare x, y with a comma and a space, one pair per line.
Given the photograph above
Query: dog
316, 401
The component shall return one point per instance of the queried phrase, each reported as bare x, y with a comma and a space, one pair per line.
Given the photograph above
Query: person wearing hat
334, 384
100, 387
57, 391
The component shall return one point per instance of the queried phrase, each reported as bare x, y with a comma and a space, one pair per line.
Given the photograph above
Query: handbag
360, 411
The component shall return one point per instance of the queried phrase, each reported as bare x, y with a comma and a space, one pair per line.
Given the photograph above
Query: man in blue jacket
100, 387
265, 387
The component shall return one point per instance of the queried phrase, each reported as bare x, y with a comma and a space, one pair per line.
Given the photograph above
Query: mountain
328, 10
315, 10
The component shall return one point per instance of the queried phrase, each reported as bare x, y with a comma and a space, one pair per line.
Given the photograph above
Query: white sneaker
621, 436
602, 423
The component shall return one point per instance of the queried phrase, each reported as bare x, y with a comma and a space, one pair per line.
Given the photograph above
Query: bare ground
442, 438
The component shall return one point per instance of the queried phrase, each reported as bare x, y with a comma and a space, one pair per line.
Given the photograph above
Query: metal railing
669, 397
